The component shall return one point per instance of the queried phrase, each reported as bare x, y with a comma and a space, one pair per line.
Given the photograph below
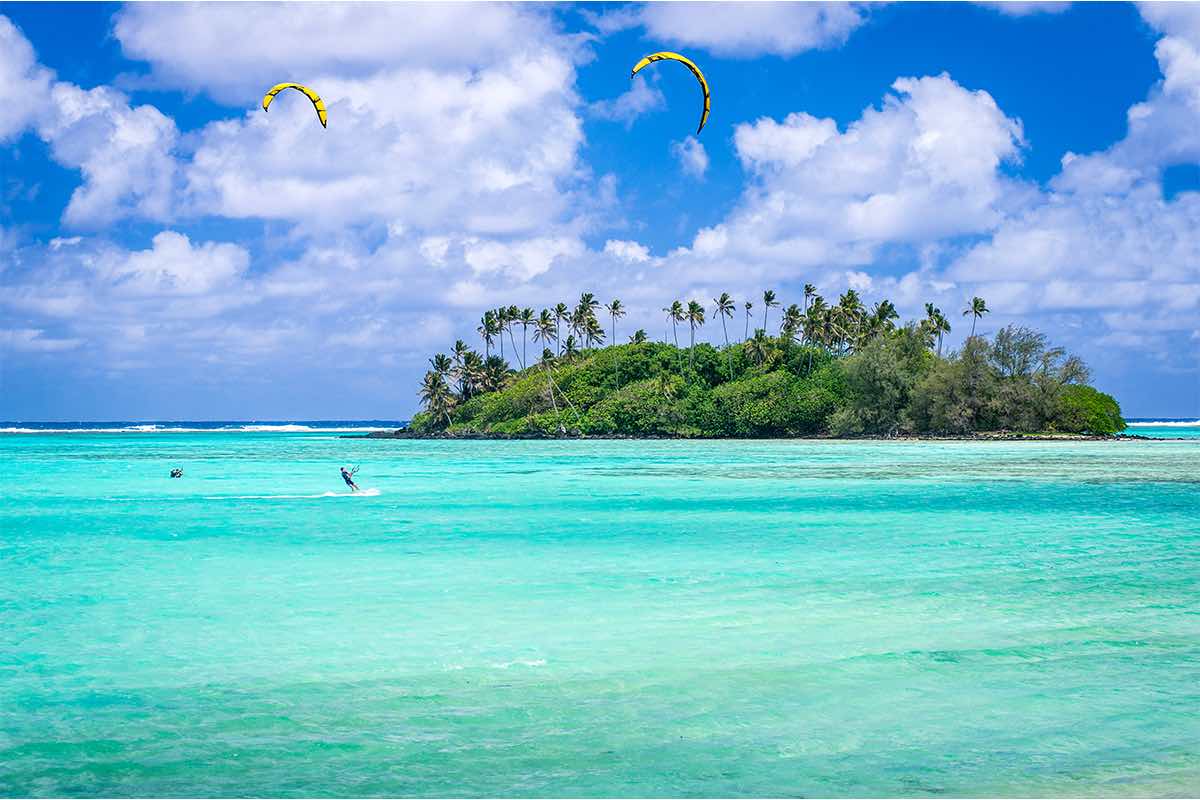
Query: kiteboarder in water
348, 477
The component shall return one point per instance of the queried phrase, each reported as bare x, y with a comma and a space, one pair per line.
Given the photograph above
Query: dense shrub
1082, 409
646, 408
880, 378
952, 396
775, 404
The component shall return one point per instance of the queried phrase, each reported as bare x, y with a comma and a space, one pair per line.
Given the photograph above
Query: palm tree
940, 325
513, 315
769, 302
849, 315
588, 304
585, 311
570, 347
977, 309
746, 334
758, 347
494, 374
545, 329
487, 330
501, 315
814, 321
593, 331
935, 325
639, 337
459, 350
675, 315
723, 307
695, 318
576, 323
793, 318
882, 316
828, 326
561, 314
526, 319
447, 366
470, 373
436, 396
441, 364
615, 309
810, 292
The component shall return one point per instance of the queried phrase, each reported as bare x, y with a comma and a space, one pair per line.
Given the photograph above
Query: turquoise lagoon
598, 618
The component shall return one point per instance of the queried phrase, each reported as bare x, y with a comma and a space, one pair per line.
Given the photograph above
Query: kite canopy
687, 62
307, 92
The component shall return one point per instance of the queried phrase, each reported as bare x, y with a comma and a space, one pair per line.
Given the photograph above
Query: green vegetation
841, 370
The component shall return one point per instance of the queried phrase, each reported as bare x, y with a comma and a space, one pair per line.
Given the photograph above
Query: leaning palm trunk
728, 352
614, 341
553, 389
513, 339
675, 336
691, 344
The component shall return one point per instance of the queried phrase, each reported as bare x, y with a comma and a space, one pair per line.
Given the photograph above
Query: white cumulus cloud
693, 158
745, 30
627, 251
641, 98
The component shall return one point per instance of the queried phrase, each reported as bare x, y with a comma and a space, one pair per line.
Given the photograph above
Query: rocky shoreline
996, 436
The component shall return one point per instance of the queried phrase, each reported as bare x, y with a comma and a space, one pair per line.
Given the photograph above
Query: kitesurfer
348, 477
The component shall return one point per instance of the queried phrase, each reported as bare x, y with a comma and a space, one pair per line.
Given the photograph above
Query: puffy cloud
693, 158
484, 94
1162, 129
742, 30
790, 143
627, 251
449, 176
24, 84
1103, 237
238, 52
123, 153
508, 135
173, 265
640, 98
922, 167
520, 261
1138, 238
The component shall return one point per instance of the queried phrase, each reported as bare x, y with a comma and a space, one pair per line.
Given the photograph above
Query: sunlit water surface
597, 618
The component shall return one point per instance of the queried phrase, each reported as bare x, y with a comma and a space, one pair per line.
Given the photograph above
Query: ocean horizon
197, 426
595, 618
1169, 426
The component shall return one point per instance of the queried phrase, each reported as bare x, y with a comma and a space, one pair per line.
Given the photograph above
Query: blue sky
169, 251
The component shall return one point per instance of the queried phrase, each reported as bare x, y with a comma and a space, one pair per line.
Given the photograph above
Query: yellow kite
309, 93
687, 62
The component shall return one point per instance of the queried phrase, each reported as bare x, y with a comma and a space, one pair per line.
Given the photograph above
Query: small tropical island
826, 370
